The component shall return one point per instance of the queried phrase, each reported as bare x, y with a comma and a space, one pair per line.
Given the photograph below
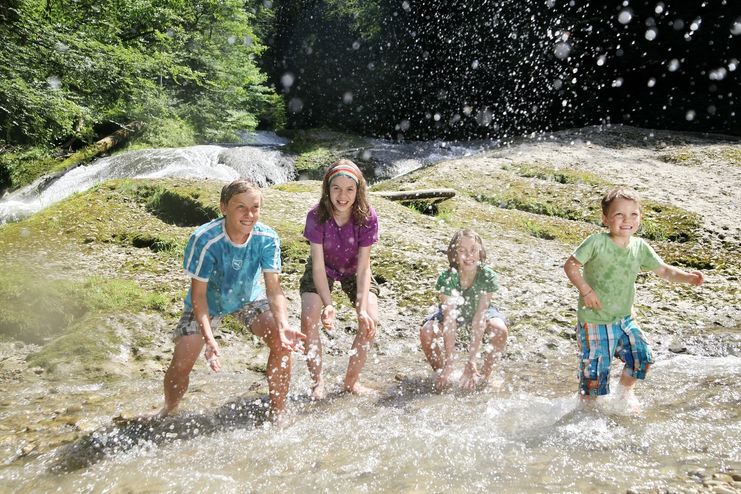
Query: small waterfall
265, 165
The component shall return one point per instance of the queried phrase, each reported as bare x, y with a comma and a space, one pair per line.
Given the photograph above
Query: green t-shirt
449, 284
611, 271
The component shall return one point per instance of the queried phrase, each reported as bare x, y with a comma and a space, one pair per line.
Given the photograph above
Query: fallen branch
432, 195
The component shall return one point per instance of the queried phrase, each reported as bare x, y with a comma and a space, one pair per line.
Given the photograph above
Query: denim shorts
599, 343
463, 335
187, 325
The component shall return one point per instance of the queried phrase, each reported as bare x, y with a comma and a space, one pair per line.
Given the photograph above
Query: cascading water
260, 159
264, 165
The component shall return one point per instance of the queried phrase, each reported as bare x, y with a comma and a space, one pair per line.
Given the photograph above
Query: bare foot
125, 418
317, 392
279, 420
359, 390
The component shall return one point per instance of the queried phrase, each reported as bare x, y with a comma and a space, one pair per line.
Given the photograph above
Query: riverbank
99, 276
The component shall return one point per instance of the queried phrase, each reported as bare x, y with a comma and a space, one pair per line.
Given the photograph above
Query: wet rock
724, 490
723, 477
678, 349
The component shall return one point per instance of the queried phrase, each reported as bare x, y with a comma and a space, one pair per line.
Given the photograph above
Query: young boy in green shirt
604, 270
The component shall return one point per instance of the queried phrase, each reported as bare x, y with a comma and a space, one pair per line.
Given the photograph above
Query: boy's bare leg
359, 353
279, 363
177, 377
311, 309
497, 342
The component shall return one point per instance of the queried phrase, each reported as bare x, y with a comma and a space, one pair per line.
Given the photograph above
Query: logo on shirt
237, 264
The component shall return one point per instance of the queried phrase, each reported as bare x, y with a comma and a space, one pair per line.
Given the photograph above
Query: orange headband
345, 170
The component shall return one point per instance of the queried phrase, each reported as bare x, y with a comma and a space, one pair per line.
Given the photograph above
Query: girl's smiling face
342, 193
468, 253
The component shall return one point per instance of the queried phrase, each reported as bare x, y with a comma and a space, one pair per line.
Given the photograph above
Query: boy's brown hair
361, 207
453, 246
619, 193
238, 186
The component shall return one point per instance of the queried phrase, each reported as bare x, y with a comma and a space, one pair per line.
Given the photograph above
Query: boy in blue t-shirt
224, 259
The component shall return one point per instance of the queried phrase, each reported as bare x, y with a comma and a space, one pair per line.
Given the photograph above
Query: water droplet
295, 105
625, 16
690, 116
475, 64
673, 65
651, 82
356, 45
736, 27
651, 34
287, 80
601, 60
718, 74
660, 7
347, 97
562, 50
231, 39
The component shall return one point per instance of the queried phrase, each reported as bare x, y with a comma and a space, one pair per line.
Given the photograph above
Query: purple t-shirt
341, 243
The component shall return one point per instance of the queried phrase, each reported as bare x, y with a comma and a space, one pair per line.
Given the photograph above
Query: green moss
313, 186
181, 208
681, 156
400, 273
560, 175
318, 148
89, 342
731, 155
665, 222
36, 308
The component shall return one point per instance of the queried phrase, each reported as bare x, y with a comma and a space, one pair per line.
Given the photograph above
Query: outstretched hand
291, 339
470, 377
327, 316
366, 323
212, 355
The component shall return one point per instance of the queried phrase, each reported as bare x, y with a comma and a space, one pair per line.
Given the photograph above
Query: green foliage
22, 166
71, 71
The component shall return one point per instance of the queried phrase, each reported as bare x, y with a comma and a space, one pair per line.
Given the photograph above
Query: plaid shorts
187, 326
599, 343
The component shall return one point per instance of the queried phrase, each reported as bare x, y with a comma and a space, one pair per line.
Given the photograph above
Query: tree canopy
71, 70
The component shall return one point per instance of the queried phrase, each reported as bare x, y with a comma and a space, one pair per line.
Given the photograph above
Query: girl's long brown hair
360, 208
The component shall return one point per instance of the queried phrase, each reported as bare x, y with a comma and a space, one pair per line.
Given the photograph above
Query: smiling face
241, 213
342, 193
468, 254
623, 218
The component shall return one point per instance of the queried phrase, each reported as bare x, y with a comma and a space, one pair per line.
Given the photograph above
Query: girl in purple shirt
341, 229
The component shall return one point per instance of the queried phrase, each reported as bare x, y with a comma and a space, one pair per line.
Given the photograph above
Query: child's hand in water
328, 315
470, 376
212, 355
366, 323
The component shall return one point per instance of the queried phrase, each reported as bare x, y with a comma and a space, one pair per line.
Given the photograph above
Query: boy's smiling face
241, 213
623, 218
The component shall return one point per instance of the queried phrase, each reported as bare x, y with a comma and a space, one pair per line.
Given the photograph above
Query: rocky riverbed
94, 286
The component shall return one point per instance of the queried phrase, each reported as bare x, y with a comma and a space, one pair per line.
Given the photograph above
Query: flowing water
528, 434
259, 157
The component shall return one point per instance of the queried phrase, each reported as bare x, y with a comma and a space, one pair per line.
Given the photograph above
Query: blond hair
619, 193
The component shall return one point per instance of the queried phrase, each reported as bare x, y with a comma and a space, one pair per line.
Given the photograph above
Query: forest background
182, 72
